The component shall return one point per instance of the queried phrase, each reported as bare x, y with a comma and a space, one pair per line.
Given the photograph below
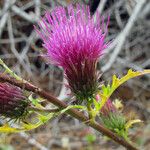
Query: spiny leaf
42, 118
6, 128
116, 82
73, 106
36, 101
131, 122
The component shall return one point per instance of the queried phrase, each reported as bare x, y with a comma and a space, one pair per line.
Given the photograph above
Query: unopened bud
13, 103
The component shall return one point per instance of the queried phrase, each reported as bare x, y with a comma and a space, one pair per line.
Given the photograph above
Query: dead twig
122, 37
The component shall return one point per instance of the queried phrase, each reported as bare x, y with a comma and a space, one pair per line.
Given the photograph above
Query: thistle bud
108, 108
113, 119
13, 103
115, 122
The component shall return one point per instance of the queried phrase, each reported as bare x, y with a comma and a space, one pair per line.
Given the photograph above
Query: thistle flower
13, 103
75, 42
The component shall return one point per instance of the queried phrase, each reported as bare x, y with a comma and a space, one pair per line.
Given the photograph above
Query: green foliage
73, 106
25, 126
107, 90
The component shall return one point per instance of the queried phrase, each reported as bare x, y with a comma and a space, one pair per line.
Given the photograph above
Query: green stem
44, 110
9, 71
89, 107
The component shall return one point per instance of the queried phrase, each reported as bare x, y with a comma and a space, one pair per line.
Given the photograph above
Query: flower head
75, 42
13, 103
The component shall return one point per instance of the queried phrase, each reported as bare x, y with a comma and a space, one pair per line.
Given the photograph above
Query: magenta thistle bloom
13, 103
74, 42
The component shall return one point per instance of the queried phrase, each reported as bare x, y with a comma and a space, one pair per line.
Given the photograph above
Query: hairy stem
9, 71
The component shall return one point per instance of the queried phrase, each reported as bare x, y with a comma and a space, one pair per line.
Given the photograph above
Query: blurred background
21, 48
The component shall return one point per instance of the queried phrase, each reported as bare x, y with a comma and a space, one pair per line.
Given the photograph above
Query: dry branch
124, 34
